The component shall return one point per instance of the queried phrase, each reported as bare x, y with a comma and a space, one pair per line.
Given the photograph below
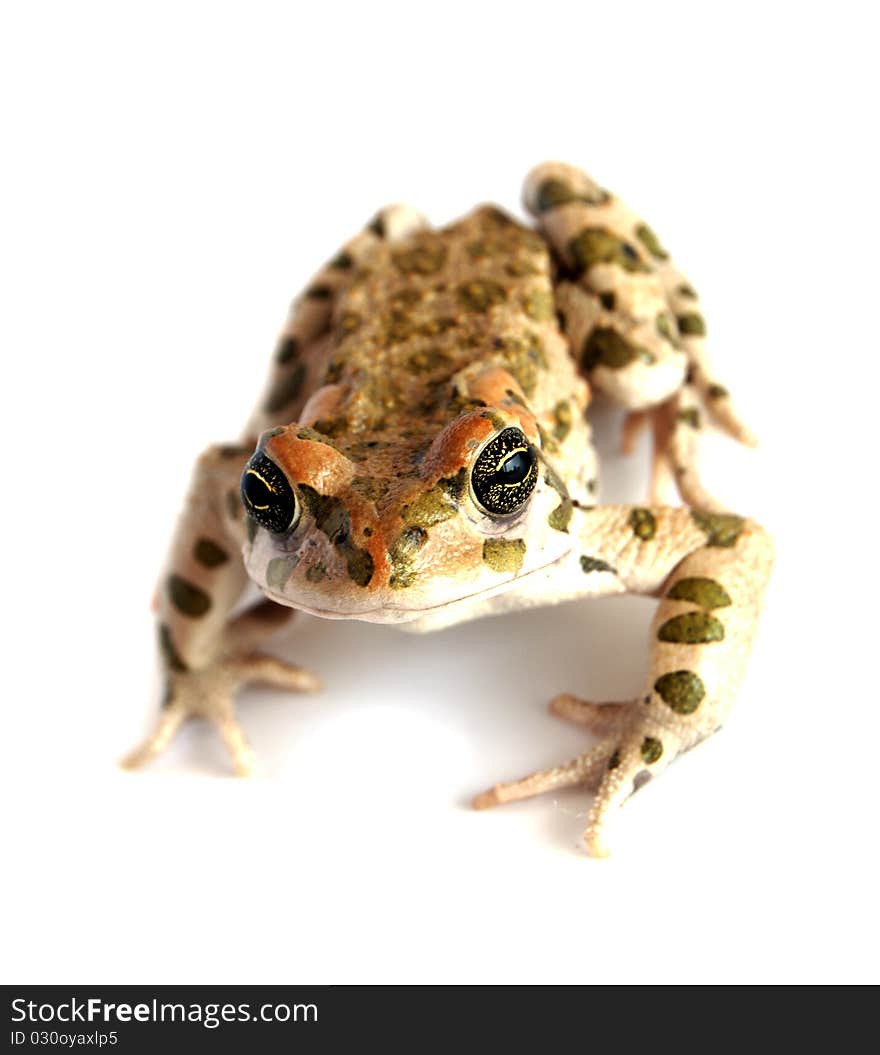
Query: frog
421, 455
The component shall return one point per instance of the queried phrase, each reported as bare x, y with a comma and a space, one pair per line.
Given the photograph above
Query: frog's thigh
626, 357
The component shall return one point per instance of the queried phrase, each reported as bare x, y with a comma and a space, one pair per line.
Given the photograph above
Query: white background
172, 174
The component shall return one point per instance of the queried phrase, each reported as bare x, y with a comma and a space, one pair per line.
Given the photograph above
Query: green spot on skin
286, 389
331, 516
515, 397
313, 436
170, 654
317, 572
562, 419
481, 294
664, 326
187, 597
498, 423
279, 570
288, 350
681, 690
651, 749
721, 529
438, 504
431, 507
425, 259
320, 292
689, 416
692, 628
426, 361
560, 518
555, 192
523, 357
691, 325
707, 593
651, 242
209, 554
643, 523
591, 564
548, 443
359, 565
343, 262
504, 555
540, 305
608, 300
717, 392
596, 245
519, 268
402, 556
686, 291
605, 347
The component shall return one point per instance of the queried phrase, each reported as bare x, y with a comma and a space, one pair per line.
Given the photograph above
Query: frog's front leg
205, 654
710, 571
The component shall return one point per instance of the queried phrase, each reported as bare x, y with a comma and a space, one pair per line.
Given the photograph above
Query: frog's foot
209, 692
629, 753
677, 425
722, 411
659, 419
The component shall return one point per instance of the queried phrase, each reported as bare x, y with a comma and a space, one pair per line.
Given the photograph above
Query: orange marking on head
307, 461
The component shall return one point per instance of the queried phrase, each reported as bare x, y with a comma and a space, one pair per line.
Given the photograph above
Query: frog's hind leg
632, 320
609, 295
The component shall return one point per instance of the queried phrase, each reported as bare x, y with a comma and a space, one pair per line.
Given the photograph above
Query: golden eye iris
505, 473
267, 496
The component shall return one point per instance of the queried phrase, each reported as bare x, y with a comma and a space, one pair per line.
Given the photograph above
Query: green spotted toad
421, 456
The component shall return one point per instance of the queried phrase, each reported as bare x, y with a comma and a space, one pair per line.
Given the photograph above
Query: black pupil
516, 468
256, 491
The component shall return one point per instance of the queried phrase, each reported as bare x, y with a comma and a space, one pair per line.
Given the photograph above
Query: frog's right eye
267, 496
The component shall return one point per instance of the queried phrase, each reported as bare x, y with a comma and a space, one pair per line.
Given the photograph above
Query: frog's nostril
267, 496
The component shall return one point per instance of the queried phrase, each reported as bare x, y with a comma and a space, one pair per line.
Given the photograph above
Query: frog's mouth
397, 613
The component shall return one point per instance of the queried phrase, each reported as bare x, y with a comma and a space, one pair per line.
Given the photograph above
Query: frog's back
411, 318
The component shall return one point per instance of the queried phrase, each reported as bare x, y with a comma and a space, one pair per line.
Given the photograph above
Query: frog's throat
401, 613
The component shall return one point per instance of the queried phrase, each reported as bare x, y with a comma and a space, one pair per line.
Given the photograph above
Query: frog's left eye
505, 473
267, 496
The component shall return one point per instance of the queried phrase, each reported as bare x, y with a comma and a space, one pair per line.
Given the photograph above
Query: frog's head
385, 525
